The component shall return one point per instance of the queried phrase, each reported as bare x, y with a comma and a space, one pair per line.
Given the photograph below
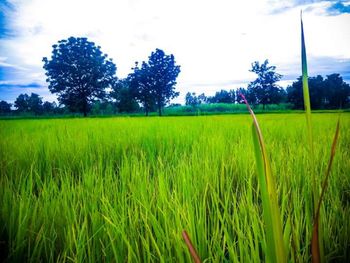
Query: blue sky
214, 41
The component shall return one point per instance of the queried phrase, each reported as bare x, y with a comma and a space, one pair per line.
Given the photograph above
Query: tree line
325, 93
84, 80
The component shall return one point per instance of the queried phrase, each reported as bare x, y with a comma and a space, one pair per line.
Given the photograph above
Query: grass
123, 189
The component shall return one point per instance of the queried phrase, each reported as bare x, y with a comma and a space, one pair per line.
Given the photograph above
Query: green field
123, 189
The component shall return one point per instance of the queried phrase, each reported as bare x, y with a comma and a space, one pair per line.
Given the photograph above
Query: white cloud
214, 41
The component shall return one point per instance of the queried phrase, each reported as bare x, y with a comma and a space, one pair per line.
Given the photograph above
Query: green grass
123, 189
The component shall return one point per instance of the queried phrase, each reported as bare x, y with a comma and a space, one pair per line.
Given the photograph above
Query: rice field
123, 189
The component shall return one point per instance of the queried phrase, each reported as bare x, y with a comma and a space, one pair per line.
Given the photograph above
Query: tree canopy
329, 93
78, 73
154, 81
264, 90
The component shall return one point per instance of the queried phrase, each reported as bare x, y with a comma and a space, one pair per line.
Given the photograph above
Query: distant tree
316, 89
191, 99
22, 103
35, 104
5, 107
32, 103
223, 96
264, 90
49, 107
202, 98
250, 97
79, 73
124, 97
337, 92
154, 81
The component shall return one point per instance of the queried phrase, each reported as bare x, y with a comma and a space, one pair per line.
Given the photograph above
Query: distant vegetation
85, 82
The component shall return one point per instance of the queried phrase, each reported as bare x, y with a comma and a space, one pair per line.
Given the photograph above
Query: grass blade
315, 248
307, 106
271, 213
191, 248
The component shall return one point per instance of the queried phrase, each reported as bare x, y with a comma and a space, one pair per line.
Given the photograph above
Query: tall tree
155, 80
264, 89
79, 73
142, 88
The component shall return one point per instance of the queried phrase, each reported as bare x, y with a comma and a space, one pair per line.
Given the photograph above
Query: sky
214, 41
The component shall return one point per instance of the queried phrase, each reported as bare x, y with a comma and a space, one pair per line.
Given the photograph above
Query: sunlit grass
123, 189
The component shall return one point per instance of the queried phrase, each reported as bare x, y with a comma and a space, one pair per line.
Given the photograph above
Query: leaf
271, 214
191, 248
315, 248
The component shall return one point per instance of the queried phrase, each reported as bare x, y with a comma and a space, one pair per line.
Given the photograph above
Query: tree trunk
160, 110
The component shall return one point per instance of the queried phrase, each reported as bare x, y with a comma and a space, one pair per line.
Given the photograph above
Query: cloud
339, 8
214, 41
325, 7
9, 91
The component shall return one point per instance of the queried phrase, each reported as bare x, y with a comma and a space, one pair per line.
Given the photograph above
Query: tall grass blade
191, 248
275, 244
307, 106
315, 248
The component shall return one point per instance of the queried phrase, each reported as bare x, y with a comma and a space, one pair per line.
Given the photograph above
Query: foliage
5, 107
123, 95
264, 89
78, 73
223, 96
154, 82
32, 103
193, 100
329, 93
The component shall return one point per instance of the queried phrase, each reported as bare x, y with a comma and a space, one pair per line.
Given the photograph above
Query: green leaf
271, 213
315, 246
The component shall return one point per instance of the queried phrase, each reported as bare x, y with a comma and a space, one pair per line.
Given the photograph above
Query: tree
49, 107
79, 73
123, 95
316, 89
35, 104
32, 103
191, 99
154, 81
223, 96
264, 89
22, 103
247, 94
337, 92
141, 87
5, 107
